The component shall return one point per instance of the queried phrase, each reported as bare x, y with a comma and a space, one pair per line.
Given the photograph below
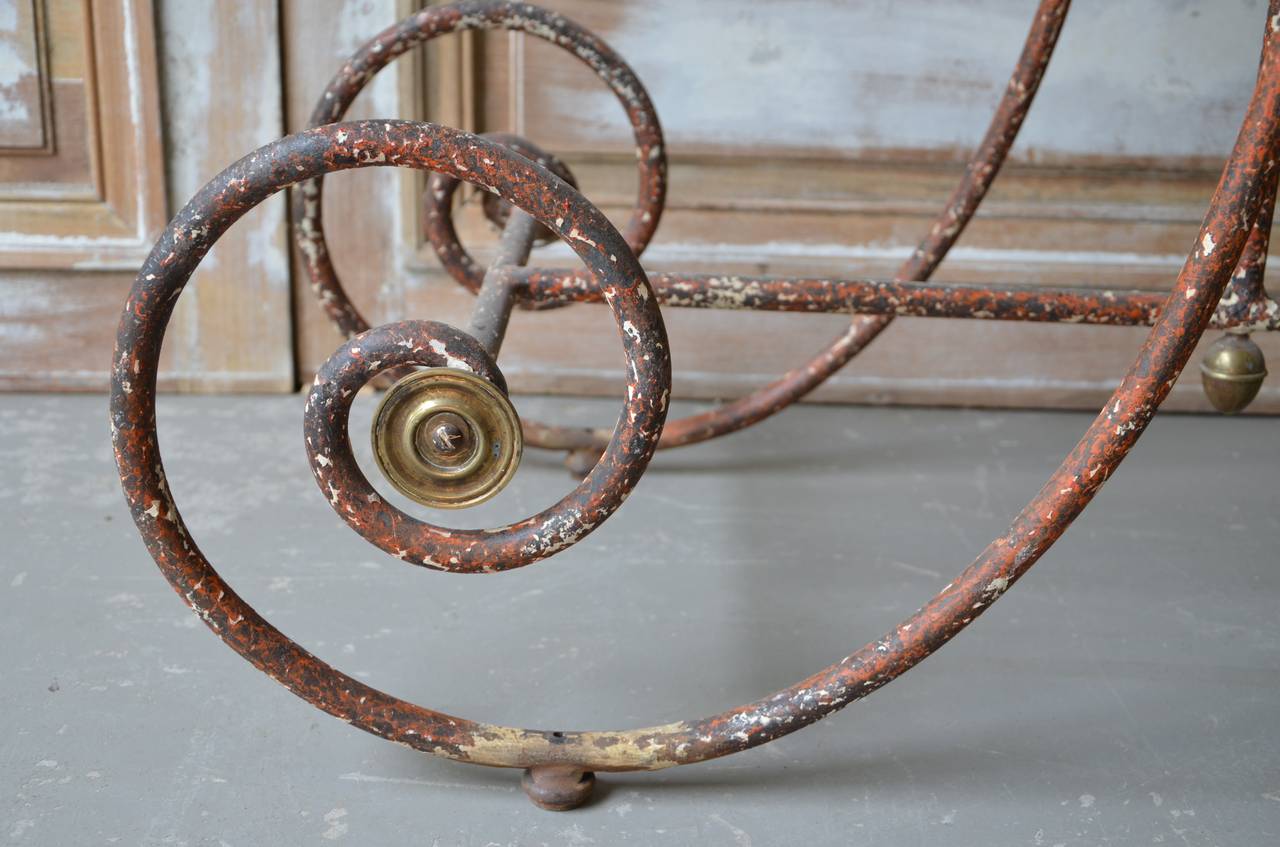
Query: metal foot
558, 788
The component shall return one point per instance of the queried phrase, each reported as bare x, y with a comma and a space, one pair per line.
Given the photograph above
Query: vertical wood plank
368, 213
78, 212
222, 93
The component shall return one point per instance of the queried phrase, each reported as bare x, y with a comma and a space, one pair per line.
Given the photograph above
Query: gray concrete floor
1126, 692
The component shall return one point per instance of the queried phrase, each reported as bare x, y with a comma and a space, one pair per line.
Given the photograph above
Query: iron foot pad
558, 788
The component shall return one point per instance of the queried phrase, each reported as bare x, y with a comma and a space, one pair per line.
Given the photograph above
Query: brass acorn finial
1232, 372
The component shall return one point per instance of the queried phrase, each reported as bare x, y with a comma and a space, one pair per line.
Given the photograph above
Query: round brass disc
447, 438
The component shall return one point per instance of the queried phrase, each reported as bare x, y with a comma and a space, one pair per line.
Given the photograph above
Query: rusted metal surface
437, 208
634, 438
560, 763
471, 550
419, 28
979, 174
497, 294
1252, 309
169, 267
1245, 307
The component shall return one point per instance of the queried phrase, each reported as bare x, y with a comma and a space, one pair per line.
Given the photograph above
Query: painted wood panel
89, 195
223, 97
81, 204
874, 79
81, 182
24, 78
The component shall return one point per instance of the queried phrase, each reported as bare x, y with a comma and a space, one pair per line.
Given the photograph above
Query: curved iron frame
1228, 257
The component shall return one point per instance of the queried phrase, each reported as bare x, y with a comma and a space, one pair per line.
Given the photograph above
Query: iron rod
1014, 302
496, 297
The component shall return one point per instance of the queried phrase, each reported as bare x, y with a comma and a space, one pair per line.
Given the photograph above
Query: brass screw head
1232, 372
446, 438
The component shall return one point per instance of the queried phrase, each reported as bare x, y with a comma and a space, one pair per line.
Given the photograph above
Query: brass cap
1232, 372
447, 438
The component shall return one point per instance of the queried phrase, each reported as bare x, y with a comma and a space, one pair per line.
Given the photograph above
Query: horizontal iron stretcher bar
1017, 302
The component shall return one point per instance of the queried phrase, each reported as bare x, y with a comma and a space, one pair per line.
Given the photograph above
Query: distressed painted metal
1251, 310
395, 41
1220, 285
979, 174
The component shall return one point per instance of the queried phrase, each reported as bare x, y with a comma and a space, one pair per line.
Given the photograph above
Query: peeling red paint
1232, 239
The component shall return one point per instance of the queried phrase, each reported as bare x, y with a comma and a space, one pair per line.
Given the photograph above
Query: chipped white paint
576, 235
450, 360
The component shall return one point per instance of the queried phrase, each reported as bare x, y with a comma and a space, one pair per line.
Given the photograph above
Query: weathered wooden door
821, 137
112, 113
804, 137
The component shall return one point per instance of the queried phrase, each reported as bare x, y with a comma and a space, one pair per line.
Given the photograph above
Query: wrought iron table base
449, 436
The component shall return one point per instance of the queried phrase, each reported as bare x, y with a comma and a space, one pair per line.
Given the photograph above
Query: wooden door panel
80, 196
87, 194
222, 86
93, 113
